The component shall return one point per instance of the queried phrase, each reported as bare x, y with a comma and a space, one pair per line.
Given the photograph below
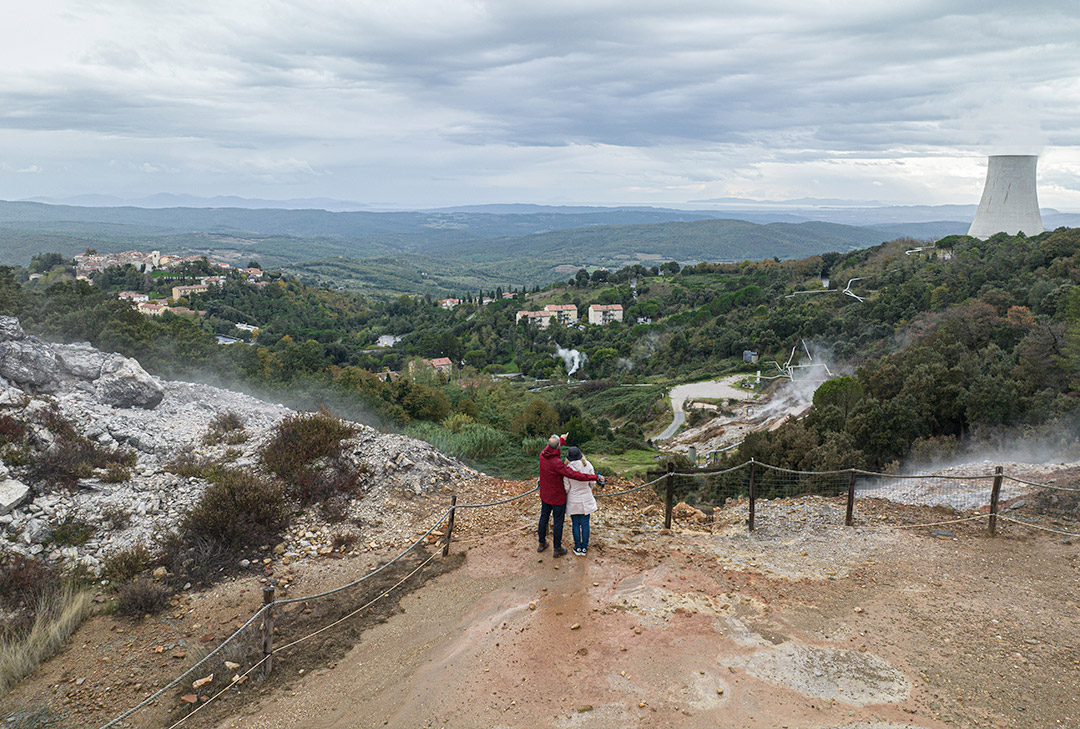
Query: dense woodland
969, 340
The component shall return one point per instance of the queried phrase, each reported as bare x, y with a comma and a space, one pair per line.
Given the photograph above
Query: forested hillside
971, 340
417, 252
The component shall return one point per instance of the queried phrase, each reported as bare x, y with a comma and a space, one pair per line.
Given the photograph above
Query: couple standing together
565, 488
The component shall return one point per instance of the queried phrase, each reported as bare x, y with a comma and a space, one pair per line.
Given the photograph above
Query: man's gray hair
554, 441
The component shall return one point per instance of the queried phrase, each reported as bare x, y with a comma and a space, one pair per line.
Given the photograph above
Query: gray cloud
437, 102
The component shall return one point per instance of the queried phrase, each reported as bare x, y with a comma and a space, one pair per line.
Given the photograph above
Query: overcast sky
440, 102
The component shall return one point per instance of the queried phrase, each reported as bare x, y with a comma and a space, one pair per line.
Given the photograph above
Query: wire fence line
286, 601
753, 478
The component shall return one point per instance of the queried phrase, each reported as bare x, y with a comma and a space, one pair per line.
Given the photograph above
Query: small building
541, 319
602, 314
214, 280
36, 276
151, 309
749, 357
136, 297
565, 314
246, 327
508, 294
181, 291
449, 303
441, 364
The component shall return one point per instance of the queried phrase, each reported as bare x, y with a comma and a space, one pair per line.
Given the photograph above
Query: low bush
124, 565
237, 508
306, 451
24, 580
142, 597
300, 439
115, 473
71, 532
226, 428
115, 517
73, 458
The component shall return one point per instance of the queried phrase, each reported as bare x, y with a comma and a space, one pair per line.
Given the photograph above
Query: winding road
722, 388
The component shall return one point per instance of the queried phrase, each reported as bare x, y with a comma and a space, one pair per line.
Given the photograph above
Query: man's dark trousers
557, 512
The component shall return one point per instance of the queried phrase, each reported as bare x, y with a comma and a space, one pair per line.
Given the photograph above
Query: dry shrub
71, 532
115, 516
24, 580
74, 457
237, 508
142, 597
228, 428
306, 452
189, 465
57, 616
12, 430
124, 565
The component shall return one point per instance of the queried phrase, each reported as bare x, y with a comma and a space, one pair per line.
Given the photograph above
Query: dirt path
903, 631
802, 624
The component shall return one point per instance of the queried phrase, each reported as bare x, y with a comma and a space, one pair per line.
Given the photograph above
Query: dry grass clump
57, 616
307, 452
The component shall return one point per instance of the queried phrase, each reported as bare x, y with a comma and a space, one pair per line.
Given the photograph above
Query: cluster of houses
567, 314
157, 307
484, 300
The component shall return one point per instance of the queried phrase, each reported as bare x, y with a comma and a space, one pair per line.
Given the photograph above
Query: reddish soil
790, 626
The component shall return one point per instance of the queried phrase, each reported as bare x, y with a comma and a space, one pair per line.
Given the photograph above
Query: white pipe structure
1009, 203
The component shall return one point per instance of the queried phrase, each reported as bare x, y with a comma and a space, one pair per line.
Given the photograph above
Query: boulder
125, 384
81, 360
12, 495
10, 329
28, 362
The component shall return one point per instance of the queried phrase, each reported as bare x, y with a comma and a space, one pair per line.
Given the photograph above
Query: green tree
538, 419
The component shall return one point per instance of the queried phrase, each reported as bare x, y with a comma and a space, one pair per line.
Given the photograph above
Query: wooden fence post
753, 493
849, 520
670, 495
995, 493
450, 525
268, 631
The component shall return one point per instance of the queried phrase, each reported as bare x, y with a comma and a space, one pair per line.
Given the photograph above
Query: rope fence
940, 495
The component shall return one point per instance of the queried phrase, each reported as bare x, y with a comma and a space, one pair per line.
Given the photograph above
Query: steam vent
1009, 202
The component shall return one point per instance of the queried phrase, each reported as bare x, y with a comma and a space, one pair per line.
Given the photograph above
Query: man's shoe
559, 551
542, 547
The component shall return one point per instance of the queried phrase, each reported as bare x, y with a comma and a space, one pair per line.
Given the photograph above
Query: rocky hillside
90, 445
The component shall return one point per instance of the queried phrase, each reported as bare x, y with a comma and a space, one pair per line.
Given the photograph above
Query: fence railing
932, 498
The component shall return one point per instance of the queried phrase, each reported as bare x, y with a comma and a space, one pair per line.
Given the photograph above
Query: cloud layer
454, 101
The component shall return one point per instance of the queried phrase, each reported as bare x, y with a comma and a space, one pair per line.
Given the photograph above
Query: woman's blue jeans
579, 525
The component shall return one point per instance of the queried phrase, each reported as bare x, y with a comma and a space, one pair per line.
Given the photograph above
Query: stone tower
1009, 201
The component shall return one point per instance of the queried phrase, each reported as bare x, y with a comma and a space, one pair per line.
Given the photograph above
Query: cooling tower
1009, 201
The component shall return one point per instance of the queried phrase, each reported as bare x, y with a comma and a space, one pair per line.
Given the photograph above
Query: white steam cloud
572, 358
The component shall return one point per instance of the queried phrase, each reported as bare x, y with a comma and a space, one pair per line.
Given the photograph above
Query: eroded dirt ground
799, 626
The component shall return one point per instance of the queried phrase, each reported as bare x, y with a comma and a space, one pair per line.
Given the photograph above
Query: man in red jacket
553, 494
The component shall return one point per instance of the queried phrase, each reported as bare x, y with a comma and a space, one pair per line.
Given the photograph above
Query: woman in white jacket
579, 500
